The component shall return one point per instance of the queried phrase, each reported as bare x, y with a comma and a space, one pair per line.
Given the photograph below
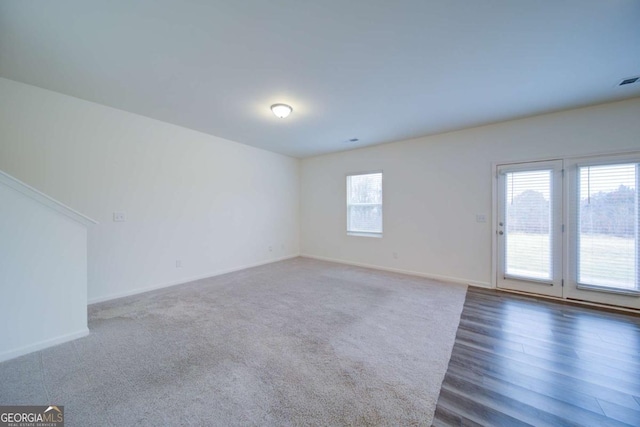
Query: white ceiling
377, 70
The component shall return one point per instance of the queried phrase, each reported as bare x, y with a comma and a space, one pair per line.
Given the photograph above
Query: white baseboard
187, 280
398, 270
17, 352
481, 285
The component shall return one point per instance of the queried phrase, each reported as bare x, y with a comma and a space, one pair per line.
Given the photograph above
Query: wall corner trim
45, 200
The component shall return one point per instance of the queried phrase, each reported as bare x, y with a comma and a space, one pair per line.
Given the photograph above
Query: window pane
364, 188
528, 224
365, 218
608, 218
364, 203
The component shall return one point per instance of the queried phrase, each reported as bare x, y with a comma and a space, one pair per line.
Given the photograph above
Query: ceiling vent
629, 81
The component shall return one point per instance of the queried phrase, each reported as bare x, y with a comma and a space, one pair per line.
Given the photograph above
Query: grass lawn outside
603, 260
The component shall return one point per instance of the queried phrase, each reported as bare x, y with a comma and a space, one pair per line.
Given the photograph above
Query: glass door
529, 229
604, 224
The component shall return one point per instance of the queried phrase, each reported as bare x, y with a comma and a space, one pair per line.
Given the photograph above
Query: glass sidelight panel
608, 227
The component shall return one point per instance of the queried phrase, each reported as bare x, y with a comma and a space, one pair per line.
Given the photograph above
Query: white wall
214, 204
434, 187
43, 272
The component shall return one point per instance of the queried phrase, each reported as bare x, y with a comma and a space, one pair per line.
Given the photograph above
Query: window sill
364, 234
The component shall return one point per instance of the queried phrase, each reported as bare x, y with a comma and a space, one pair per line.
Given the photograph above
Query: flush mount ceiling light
281, 110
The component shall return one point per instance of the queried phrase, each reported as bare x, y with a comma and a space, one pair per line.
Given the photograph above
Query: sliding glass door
571, 228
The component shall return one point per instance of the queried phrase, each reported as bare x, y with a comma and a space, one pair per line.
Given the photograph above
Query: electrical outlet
270, 248
119, 217
395, 255
481, 218
178, 263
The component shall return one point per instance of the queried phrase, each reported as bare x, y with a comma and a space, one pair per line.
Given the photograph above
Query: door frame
552, 287
572, 291
584, 296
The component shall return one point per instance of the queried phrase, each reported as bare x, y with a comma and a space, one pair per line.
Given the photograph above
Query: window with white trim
364, 204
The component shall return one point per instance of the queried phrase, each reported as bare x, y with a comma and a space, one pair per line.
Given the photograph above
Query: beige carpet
295, 343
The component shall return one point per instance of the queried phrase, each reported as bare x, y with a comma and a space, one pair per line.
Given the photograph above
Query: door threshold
574, 301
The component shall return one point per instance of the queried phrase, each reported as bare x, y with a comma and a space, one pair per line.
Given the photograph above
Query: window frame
572, 219
374, 234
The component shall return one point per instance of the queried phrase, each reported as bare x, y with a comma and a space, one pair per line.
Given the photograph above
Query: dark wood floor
523, 361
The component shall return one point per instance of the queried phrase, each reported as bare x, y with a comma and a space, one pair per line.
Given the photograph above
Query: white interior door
603, 234
529, 229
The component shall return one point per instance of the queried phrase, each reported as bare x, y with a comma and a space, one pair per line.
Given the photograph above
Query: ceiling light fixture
281, 110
